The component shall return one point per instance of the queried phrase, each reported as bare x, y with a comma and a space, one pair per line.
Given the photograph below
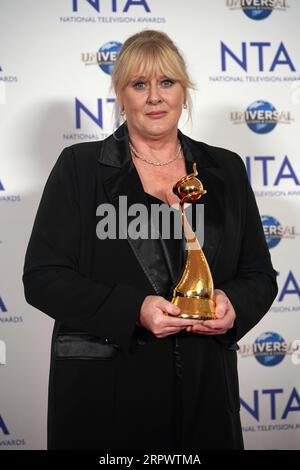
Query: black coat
112, 383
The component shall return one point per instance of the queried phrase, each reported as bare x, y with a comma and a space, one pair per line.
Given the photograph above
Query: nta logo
2, 306
96, 118
261, 117
3, 426
270, 174
291, 403
290, 287
95, 4
281, 56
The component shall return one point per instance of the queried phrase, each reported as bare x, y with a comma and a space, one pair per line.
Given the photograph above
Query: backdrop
56, 60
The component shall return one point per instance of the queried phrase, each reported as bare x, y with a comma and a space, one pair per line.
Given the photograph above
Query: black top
173, 248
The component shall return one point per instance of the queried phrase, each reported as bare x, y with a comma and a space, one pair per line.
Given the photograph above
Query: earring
122, 112
184, 106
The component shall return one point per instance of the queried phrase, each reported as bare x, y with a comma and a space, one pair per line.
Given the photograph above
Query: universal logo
269, 349
275, 232
105, 57
257, 9
261, 117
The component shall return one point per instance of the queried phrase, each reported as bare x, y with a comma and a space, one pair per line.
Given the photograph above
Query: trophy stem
193, 294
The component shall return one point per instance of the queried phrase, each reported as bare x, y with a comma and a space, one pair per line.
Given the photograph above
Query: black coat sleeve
52, 279
254, 287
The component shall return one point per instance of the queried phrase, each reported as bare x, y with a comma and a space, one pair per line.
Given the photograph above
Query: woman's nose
154, 96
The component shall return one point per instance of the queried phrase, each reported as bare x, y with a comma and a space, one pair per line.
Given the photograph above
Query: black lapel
211, 176
121, 179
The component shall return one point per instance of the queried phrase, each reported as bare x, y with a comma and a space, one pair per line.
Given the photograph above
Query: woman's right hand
153, 318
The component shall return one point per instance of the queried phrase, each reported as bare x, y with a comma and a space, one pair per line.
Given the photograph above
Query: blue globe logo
269, 349
255, 12
260, 117
107, 55
271, 229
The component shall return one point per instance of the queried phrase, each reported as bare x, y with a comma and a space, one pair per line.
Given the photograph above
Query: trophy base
195, 308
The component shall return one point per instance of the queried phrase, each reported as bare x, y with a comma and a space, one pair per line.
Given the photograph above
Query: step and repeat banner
56, 60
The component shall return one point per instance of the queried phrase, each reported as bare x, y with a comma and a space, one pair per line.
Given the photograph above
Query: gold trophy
193, 294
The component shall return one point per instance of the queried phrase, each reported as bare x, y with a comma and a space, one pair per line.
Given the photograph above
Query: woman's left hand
225, 317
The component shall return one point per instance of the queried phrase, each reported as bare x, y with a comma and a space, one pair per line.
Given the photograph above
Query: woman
124, 375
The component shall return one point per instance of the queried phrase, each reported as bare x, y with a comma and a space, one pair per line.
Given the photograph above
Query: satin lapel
124, 181
214, 217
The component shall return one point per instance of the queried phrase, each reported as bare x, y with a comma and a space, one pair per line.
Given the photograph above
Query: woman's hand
153, 318
225, 317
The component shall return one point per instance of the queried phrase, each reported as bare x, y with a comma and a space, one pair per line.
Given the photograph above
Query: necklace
153, 162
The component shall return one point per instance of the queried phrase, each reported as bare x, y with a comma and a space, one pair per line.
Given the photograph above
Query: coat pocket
83, 346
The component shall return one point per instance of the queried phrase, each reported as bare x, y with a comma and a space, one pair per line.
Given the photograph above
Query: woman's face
152, 106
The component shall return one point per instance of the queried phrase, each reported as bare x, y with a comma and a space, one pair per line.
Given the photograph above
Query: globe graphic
257, 13
269, 358
110, 47
269, 221
262, 126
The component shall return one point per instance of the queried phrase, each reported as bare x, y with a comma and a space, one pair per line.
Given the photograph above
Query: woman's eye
167, 83
139, 85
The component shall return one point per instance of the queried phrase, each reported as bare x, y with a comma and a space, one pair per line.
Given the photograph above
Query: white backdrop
237, 60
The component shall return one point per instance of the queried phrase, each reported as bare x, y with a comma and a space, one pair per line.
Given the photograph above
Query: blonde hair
150, 53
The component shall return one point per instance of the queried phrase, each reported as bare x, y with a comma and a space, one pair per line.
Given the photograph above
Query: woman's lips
156, 114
